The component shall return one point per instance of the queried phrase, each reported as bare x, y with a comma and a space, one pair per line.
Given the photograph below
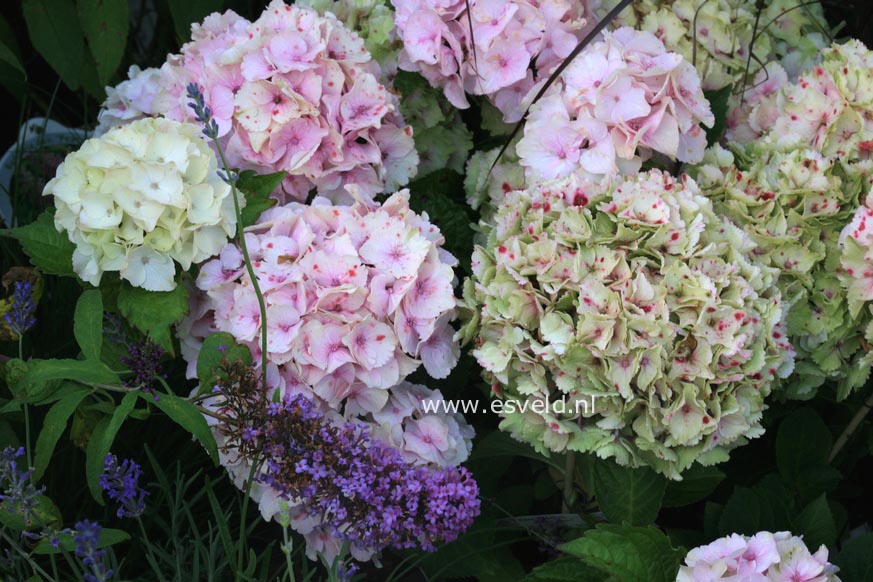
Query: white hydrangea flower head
141, 199
634, 294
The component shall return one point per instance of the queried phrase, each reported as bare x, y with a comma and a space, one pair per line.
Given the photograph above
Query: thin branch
851, 427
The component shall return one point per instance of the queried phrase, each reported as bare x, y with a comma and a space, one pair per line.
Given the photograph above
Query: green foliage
153, 312
441, 195
53, 426
186, 415
696, 484
47, 248
185, 12
105, 24
257, 189
855, 560
88, 324
816, 524
566, 569
41, 371
803, 441
108, 537
100, 444
718, 102
627, 495
44, 514
54, 30
628, 553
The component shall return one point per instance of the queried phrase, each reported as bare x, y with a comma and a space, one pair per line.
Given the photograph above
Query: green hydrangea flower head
633, 293
716, 35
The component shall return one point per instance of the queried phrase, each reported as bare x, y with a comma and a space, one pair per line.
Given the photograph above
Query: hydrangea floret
763, 557
512, 45
141, 199
356, 297
631, 294
716, 35
293, 91
621, 100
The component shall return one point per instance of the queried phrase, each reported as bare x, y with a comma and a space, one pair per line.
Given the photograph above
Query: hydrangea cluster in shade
363, 489
763, 557
513, 45
632, 293
856, 275
293, 91
793, 187
793, 202
716, 34
86, 539
424, 448
18, 494
623, 99
121, 484
21, 315
140, 199
357, 298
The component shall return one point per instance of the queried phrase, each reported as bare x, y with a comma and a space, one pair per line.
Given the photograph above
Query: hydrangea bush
632, 293
396, 290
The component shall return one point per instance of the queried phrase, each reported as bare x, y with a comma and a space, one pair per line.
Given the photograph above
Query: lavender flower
17, 492
121, 483
362, 489
86, 540
202, 113
144, 362
21, 317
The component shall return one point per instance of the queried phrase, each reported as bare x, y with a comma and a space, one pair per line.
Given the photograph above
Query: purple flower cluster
21, 317
362, 489
17, 492
121, 483
87, 549
144, 362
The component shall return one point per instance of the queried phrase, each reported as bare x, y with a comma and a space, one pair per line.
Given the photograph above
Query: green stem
851, 428
242, 518
286, 549
569, 479
34, 566
27, 435
150, 555
250, 269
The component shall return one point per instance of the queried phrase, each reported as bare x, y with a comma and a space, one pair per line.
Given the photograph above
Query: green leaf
753, 509
803, 441
108, 537
816, 524
632, 554
52, 427
153, 312
105, 23
217, 348
500, 444
627, 495
696, 484
188, 417
47, 248
88, 324
718, 102
565, 569
78, 370
185, 12
257, 189
54, 30
433, 195
44, 514
813, 481
94, 460
854, 561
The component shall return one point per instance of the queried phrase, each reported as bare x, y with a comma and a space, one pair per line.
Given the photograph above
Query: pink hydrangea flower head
511, 45
764, 557
293, 91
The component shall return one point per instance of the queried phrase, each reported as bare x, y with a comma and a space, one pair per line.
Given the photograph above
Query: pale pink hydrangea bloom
357, 298
514, 43
293, 91
623, 99
764, 557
